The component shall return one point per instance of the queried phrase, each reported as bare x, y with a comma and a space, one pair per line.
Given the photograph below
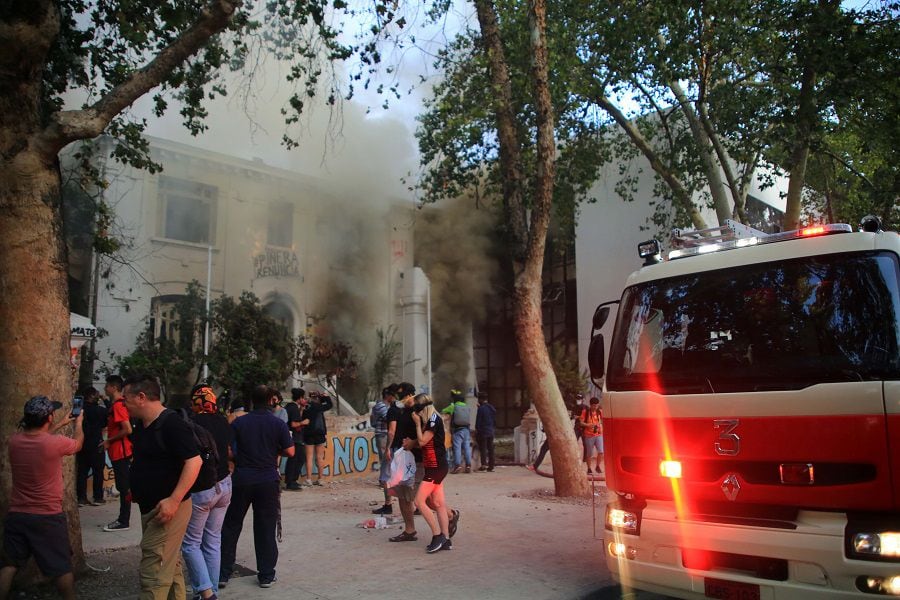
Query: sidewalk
515, 541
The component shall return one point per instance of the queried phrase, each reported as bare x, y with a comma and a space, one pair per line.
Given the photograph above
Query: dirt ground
516, 540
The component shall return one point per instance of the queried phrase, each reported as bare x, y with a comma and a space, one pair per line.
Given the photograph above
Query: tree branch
849, 167
713, 175
682, 196
510, 152
546, 144
68, 126
663, 115
724, 161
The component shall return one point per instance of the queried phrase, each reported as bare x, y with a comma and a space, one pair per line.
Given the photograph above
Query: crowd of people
195, 473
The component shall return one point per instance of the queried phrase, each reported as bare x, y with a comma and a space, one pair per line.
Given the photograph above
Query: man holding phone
36, 524
91, 458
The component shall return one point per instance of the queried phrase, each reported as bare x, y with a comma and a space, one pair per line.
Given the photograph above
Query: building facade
318, 262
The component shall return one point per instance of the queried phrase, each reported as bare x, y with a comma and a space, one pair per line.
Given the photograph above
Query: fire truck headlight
618, 519
670, 469
884, 586
884, 544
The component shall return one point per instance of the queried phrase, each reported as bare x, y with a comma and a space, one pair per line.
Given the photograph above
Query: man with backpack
202, 542
460, 421
260, 438
166, 464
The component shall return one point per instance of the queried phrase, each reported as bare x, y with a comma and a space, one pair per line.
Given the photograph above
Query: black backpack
209, 451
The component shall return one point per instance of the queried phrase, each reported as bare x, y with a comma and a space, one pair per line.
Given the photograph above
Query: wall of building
337, 272
608, 233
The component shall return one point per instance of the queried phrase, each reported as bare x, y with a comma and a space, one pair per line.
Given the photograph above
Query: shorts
46, 537
313, 439
407, 493
435, 475
591, 443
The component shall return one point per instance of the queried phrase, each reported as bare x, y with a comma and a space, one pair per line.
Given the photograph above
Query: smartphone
77, 404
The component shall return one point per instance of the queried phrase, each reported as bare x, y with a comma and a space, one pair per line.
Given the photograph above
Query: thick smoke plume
454, 245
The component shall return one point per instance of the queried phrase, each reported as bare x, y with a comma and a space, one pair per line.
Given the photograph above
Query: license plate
730, 590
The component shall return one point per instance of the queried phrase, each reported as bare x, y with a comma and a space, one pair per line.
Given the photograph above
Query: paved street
515, 541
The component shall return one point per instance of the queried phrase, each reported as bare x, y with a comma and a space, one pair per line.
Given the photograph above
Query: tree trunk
529, 243
34, 303
713, 170
569, 477
34, 309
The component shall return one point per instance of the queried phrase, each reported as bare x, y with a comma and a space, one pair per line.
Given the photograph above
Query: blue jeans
461, 440
202, 542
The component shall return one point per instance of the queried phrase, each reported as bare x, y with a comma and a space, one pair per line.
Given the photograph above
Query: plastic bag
403, 468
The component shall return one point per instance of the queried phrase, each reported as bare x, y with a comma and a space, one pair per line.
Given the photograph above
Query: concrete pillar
413, 299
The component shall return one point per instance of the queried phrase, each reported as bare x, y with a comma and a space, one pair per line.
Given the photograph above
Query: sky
361, 148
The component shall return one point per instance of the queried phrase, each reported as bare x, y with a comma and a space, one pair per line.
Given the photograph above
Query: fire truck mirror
600, 316
597, 358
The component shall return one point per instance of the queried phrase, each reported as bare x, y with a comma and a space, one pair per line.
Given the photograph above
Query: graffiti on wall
346, 455
276, 263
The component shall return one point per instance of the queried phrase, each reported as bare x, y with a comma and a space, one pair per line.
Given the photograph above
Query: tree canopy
712, 94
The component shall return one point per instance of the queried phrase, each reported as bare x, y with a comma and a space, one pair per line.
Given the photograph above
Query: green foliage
174, 361
571, 380
248, 347
739, 65
386, 363
103, 44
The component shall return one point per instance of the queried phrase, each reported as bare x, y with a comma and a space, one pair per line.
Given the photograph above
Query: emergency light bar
760, 239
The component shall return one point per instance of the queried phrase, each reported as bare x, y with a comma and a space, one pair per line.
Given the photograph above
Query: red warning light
817, 230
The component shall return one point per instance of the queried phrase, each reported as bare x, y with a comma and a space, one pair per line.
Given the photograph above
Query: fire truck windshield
770, 326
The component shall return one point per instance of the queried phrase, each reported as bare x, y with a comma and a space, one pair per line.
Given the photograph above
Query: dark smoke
455, 246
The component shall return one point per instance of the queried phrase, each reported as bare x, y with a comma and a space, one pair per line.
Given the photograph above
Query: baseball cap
456, 394
41, 406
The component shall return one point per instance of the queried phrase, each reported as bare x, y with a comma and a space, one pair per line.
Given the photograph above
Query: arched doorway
279, 310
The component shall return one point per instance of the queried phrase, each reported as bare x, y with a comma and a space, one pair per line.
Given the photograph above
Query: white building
609, 231
312, 258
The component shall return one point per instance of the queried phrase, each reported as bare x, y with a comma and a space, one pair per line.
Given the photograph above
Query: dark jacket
485, 419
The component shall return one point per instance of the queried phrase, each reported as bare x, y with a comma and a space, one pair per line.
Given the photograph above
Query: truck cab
752, 418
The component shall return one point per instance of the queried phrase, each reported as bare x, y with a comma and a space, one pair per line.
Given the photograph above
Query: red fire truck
752, 416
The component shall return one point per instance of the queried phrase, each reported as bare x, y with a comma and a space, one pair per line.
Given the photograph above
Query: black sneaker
116, 526
293, 487
223, 582
387, 509
265, 583
454, 522
448, 545
83, 502
437, 542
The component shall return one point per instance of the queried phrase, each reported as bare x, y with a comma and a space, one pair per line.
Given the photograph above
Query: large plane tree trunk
530, 236
33, 304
